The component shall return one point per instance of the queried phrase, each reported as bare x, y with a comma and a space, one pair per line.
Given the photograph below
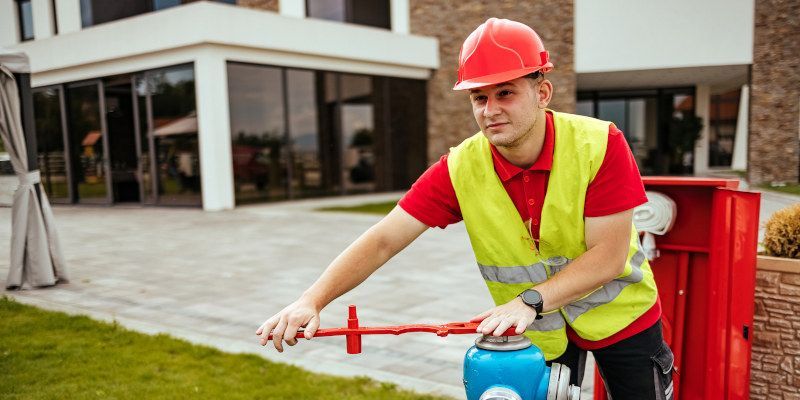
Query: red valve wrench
353, 332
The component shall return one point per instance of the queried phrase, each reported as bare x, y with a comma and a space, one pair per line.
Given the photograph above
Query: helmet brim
494, 79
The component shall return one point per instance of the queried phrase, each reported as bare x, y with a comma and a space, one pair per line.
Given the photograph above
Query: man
547, 199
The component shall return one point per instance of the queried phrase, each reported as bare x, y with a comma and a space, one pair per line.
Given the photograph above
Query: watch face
531, 297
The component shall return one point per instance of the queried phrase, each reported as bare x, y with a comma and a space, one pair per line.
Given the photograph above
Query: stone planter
780, 264
775, 365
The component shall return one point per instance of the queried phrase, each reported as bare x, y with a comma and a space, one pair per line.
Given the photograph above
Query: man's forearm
592, 269
368, 253
349, 269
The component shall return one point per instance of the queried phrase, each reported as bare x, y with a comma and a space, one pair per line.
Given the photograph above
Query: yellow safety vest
504, 249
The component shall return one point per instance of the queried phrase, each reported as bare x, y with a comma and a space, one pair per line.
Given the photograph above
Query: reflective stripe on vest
535, 273
608, 292
522, 274
550, 321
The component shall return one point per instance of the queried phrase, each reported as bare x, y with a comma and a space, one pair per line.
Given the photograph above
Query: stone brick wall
774, 147
775, 368
269, 5
449, 113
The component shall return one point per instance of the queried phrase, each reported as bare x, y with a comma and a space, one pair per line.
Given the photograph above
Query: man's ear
545, 94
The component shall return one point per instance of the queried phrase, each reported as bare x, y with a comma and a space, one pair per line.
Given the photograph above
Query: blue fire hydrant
511, 368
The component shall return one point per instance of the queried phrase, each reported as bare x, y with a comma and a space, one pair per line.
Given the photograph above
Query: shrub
782, 235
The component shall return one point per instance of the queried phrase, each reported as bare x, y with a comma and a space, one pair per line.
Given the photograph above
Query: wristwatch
534, 299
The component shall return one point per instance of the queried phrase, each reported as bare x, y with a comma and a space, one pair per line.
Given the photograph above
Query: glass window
614, 111
162, 4
25, 13
50, 143
585, 107
86, 143
332, 10
362, 12
260, 156
121, 134
642, 132
682, 105
637, 118
146, 161
175, 142
657, 124
722, 128
337, 129
406, 140
94, 12
370, 12
304, 133
357, 134
682, 133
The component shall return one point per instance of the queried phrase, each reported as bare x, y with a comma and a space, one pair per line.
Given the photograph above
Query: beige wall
449, 114
774, 146
775, 369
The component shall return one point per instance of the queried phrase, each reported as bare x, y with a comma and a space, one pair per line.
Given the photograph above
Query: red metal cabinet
706, 280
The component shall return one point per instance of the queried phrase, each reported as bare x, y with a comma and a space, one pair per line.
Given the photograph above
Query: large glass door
357, 133
50, 139
168, 165
88, 143
121, 140
258, 128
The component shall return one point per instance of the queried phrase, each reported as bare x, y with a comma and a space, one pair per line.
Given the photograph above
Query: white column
292, 8
42, 19
9, 23
742, 131
400, 16
216, 163
702, 103
68, 14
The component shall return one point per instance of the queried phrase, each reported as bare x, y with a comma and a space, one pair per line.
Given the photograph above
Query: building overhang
719, 78
178, 34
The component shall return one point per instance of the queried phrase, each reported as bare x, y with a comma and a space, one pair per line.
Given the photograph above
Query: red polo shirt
617, 187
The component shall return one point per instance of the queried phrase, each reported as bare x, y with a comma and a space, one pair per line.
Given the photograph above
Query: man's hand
285, 324
499, 319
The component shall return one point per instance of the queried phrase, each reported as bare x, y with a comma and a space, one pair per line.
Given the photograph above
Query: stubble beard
514, 140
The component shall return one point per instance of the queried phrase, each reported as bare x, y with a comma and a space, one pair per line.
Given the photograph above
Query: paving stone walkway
213, 278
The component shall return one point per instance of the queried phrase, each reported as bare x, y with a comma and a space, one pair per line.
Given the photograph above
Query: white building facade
213, 104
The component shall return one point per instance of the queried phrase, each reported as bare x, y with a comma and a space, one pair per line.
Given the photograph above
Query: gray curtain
36, 256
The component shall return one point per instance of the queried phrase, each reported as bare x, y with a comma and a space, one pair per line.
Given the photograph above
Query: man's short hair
534, 75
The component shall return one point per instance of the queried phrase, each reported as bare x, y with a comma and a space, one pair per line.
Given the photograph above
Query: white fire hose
655, 217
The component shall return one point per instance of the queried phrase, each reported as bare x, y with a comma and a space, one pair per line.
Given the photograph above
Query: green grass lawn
50, 355
371, 208
791, 188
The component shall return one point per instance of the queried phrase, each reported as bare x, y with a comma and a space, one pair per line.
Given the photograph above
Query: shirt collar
506, 170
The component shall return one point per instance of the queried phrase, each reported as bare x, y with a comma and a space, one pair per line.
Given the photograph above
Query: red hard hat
498, 51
